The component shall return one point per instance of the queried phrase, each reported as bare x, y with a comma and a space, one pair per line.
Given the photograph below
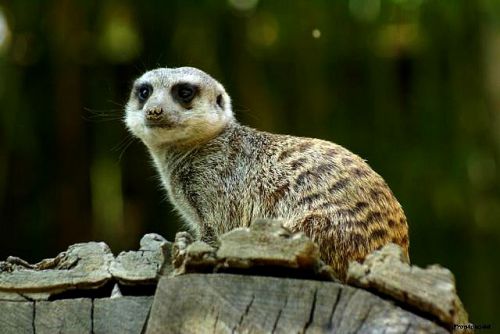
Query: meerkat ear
220, 101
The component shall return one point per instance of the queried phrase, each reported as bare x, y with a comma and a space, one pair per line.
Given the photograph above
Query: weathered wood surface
122, 315
223, 303
144, 265
431, 290
16, 317
63, 316
84, 266
81, 266
264, 246
91, 291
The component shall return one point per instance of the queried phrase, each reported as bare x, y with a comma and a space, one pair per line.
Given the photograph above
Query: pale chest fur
223, 185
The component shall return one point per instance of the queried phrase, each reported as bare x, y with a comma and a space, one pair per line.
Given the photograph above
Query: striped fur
229, 179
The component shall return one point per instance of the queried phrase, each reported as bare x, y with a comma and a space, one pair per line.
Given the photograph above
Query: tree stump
224, 303
261, 279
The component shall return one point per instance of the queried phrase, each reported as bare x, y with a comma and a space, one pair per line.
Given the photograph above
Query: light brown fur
233, 174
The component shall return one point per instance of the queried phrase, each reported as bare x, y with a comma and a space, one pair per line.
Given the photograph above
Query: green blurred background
413, 86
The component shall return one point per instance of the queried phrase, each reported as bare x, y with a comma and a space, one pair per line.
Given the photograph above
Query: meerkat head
177, 106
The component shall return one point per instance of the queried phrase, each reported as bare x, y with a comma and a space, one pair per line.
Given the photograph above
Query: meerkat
220, 174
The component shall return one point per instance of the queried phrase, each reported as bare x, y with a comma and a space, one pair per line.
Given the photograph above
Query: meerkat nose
154, 112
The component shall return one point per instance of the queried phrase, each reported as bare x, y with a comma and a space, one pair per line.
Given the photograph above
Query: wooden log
142, 266
224, 303
84, 266
16, 317
431, 290
121, 315
63, 316
91, 291
124, 315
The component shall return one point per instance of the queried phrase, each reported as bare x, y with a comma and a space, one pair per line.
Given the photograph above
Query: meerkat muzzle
156, 117
154, 113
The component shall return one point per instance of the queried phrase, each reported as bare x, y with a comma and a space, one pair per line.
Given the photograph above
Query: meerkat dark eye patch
144, 92
219, 101
184, 93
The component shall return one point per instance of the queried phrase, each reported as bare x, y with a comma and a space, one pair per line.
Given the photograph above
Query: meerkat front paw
181, 243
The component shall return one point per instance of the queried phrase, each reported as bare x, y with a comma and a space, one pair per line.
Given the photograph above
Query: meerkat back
220, 174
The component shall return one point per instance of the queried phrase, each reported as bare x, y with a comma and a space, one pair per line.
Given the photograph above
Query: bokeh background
413, 86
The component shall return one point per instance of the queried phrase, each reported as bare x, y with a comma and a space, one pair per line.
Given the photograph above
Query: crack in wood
362, 321
26, 297
73, 264
145, 325
334, 308
215, 323
311, 314
276, 321
279, 315
247, 309
34, 317
92, 316
347, 302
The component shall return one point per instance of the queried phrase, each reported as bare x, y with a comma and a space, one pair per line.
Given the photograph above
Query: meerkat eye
184, 93
144, 91
219, 101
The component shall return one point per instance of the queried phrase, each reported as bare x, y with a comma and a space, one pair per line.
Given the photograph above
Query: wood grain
223, 303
